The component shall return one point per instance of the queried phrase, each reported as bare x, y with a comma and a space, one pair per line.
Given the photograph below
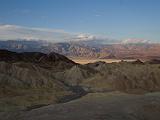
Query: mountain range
75, 45
87, 49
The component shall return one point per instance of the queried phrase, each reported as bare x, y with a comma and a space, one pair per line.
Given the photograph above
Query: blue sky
118, 19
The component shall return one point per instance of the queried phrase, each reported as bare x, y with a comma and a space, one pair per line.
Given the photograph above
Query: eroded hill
32, 80
27, 79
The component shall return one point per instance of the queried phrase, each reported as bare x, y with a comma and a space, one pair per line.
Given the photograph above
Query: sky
119, 19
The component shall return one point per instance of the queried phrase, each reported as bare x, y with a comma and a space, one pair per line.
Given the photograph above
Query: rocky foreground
97, 106
69, 91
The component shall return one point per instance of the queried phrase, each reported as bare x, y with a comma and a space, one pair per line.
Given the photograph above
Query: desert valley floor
86, 61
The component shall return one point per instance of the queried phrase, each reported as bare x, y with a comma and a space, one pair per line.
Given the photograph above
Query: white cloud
135, 40
14, 32
83, 36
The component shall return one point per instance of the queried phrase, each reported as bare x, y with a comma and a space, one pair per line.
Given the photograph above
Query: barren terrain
97, 106
38, 86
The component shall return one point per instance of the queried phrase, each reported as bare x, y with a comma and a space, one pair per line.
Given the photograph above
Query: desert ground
86, 61
38, 86
97, 106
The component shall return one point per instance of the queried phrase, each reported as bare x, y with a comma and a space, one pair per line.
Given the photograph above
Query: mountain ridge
86, 50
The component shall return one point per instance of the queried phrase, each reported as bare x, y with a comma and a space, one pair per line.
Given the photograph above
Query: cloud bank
135, 40
14, 32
